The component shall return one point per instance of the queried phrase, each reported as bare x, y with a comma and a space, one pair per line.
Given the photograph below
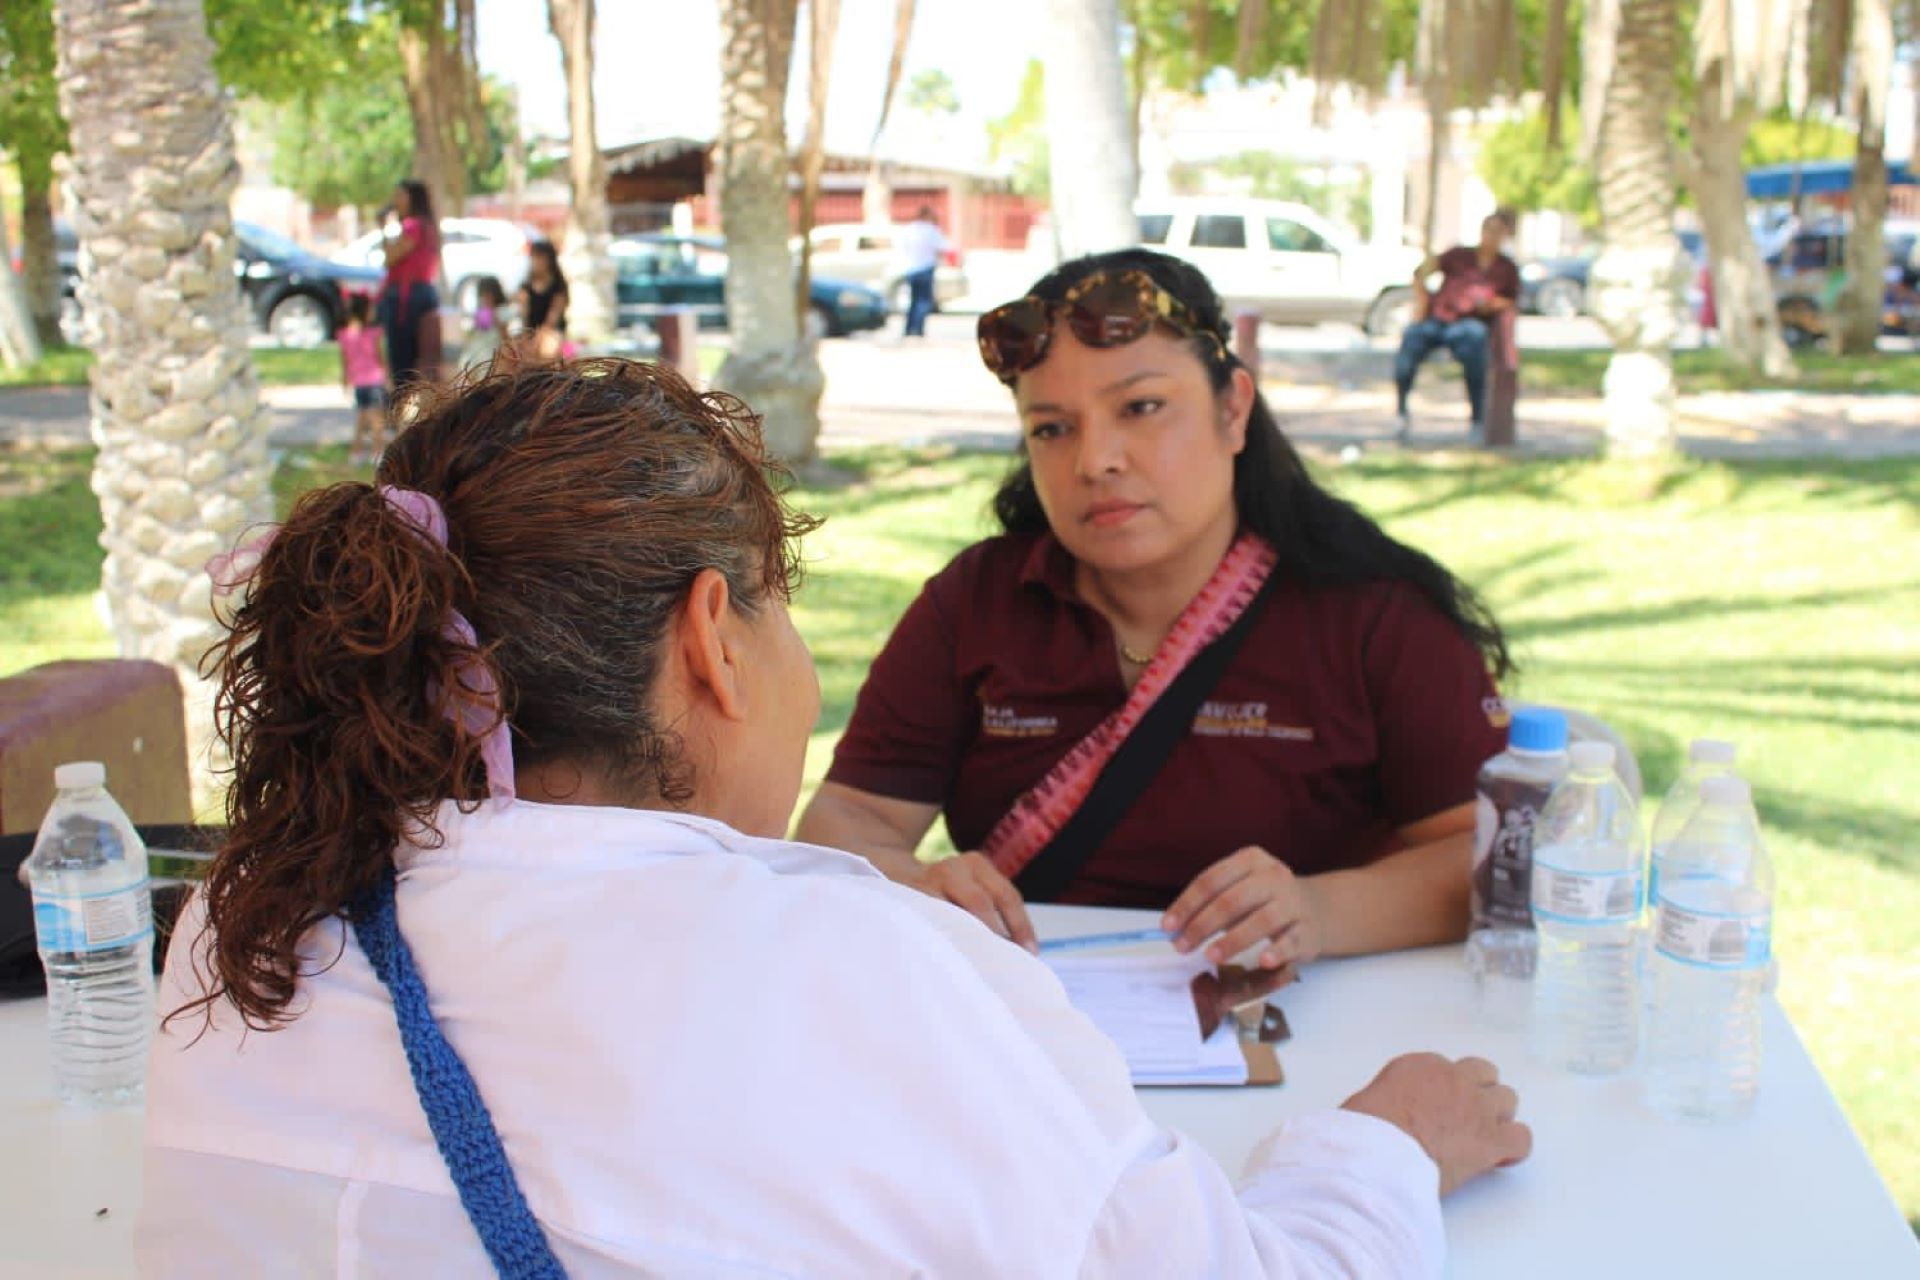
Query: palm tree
443, 96
591, 306
182, 469
823, 17
33, 133
1743, 52
1630, 51
773, 366
1872, 76
876, 202
1089, 128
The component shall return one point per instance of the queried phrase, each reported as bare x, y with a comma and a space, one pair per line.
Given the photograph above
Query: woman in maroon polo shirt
1322, 801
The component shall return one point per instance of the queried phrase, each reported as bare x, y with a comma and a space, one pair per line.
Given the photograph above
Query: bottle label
1712, 940
93, 921
1504, 818
1586, 897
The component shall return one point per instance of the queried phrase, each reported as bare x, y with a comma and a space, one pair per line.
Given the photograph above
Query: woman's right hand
971, 882
1459, 1112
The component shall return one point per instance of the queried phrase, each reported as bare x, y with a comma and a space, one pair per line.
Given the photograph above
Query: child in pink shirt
363, 371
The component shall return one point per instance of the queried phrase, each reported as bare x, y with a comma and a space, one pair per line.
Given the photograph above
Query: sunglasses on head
1105, 309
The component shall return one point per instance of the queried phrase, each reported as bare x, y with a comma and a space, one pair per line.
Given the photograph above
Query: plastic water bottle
1588, 879
1713, 930
93, 914
1513, 788
1706, 758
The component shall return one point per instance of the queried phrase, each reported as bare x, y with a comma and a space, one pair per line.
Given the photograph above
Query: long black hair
419, 200
1322, 540
545, 249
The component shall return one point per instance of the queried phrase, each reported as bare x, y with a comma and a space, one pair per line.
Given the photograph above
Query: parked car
657, 272
1810, 269
1558, 286
863, 253
1555, 286
298, 297
1285, 261
66, 258
469, 249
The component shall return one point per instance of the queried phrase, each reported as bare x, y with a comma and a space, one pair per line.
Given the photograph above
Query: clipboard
1239, 994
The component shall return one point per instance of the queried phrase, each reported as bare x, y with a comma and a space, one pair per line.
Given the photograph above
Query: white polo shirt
713, 1055
917, 246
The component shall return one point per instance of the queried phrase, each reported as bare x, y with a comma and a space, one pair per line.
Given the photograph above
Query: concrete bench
127, 715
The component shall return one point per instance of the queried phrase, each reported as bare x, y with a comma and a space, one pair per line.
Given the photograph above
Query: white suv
863, 253
1285, 261
469, 249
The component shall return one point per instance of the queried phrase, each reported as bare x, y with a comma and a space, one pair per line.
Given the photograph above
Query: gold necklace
1136, 659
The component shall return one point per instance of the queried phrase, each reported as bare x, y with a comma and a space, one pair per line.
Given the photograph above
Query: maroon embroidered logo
1005, 722
1245, 720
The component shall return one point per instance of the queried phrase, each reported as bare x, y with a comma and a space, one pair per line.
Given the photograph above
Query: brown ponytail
581, 502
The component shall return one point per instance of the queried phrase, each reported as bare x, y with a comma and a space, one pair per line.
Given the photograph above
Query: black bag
1137, 761
20, 971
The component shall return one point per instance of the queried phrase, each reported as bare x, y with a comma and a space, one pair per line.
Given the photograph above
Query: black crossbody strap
1137, 761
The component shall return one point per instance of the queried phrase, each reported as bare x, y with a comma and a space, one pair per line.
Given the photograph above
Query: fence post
679, 330
1246, 341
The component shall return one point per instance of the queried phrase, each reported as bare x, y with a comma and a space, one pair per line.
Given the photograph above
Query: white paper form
1144, 1004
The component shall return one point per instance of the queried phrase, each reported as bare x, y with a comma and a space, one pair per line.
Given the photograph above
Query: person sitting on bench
1477, 283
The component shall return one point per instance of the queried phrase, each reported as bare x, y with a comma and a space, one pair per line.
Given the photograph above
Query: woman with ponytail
505, 965
1186, 677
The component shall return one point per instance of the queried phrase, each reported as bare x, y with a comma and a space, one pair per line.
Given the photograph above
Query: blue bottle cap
1537, 729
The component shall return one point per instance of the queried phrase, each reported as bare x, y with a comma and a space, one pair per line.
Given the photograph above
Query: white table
1611, 1190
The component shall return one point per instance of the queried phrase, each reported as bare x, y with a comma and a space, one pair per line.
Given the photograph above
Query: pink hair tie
232, 570
476, 706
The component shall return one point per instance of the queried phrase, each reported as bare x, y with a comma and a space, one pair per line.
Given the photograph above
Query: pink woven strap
1036, 817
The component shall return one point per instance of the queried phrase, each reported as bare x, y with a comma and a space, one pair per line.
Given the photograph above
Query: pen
1092, 940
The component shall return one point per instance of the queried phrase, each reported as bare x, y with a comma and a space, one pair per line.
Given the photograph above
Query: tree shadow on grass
49, 525
1492, 479
1847, 685
1698, 608
1736, 704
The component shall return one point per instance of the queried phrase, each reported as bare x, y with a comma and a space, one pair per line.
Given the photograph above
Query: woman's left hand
1251, 897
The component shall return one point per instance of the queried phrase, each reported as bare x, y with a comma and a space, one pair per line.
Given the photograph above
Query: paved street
1331, 386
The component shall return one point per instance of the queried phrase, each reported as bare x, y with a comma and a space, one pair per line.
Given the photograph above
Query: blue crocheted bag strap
456, 1113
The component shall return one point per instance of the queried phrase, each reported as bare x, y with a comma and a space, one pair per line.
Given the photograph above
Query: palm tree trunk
1139, 68
1089, 150
1439, 132
182, 470
1635, 282
876, 201
824, 19
38, 259
1748, 319
591, 307
773, 367
433, 88
1861, 303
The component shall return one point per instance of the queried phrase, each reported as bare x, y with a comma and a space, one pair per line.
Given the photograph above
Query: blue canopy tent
1817, 178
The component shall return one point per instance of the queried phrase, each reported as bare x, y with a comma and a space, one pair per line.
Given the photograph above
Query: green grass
277, 366
1775, 604
1578, 373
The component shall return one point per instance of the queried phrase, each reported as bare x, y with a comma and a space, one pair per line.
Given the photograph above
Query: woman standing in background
410, 296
